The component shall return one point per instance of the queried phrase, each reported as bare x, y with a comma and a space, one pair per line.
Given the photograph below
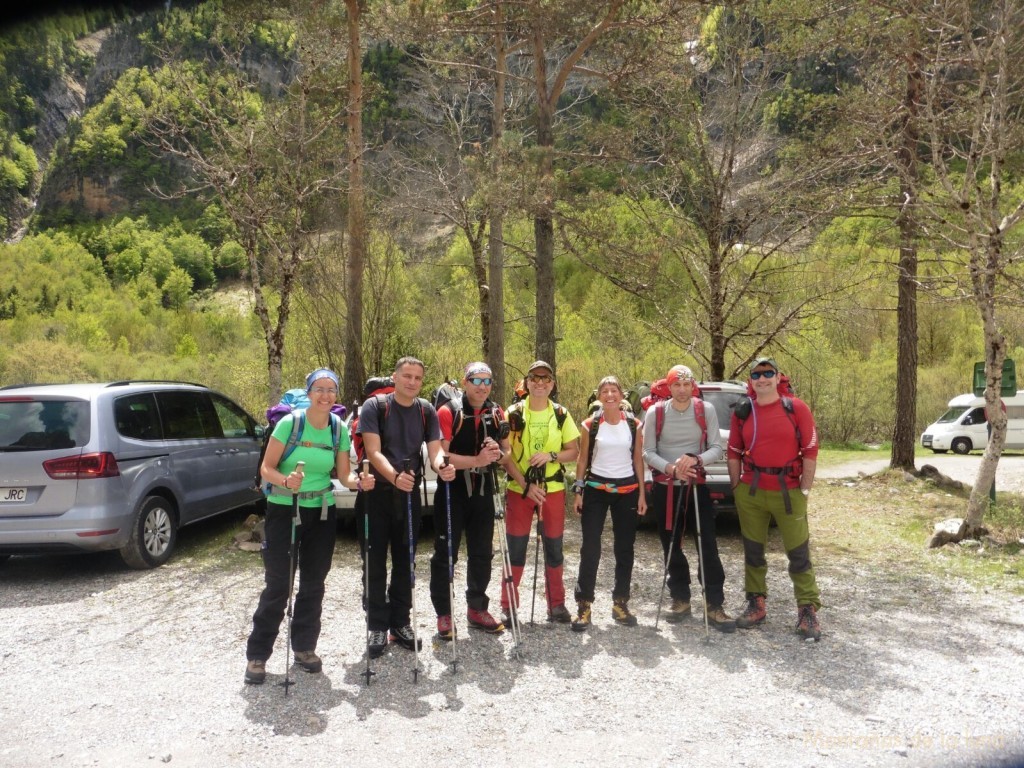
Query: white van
963, 427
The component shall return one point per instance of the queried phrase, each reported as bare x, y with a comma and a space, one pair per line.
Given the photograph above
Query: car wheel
961, 445
939, 450
153, 535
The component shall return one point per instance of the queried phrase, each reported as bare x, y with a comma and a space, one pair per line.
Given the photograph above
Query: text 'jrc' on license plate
11, 495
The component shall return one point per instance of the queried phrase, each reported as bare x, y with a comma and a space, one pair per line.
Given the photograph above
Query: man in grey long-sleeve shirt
681, 435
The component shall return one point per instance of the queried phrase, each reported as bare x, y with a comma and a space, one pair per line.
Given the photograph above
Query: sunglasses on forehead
476, 381
755, 375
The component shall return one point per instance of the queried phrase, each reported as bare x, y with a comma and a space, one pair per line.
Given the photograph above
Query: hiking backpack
375, 385
745, 407
296, 401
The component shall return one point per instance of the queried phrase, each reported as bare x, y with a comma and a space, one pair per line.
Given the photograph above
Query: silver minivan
120, 465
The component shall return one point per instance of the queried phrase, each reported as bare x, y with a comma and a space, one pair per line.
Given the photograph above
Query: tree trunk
904, 435
355, 374
543, 221
494, 339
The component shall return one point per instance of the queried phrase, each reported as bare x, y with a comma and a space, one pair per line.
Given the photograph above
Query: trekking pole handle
359, 483
299, 470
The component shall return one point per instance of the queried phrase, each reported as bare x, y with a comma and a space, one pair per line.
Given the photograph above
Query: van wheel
153, 536
961, 445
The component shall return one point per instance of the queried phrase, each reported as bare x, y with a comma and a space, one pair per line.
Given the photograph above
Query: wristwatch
554, 455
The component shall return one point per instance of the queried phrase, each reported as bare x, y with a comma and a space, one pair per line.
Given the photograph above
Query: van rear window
30, 424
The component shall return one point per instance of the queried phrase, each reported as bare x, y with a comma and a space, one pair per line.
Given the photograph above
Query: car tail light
85, 467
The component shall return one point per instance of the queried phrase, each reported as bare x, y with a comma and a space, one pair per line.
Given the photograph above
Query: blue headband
321, 373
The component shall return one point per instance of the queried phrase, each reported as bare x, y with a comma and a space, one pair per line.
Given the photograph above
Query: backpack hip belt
779, 471
323, 494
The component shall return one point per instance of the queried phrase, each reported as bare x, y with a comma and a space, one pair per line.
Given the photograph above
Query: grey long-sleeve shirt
680, 435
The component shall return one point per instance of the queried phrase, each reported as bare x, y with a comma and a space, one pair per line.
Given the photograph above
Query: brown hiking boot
582, 621
255, 672
680, 610
807, 623
720, 620
621, 614
560, 614
309, 661
754, 613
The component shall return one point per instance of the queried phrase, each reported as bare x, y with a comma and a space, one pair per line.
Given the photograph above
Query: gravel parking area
108, 667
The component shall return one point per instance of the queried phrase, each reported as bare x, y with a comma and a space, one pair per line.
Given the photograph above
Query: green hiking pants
756, 513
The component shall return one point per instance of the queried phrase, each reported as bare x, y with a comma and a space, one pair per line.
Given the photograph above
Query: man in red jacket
773, 450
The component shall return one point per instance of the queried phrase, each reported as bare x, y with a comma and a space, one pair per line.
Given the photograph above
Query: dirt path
1009, 473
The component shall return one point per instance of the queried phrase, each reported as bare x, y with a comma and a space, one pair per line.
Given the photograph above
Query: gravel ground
108, 667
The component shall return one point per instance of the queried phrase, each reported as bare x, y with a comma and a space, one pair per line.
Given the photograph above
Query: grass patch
887, 520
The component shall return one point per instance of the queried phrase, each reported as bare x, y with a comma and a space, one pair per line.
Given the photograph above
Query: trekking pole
506, 571
366, 577
451, 573
700, 564
412, 582
291, 583
669, 507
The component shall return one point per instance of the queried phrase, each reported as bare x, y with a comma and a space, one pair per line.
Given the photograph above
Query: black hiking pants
474, 516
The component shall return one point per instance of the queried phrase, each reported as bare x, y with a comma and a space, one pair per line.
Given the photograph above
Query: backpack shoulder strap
592, 424
659, 419
698, 414
560, 414
298, 424
335, 433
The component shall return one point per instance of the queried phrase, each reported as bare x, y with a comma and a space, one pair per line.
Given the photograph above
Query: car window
136, 416
951, 415
188, 416
234, 422
724, 402
28, 424
977, 416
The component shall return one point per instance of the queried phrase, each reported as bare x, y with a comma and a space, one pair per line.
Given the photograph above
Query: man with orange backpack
676, 447
773, 451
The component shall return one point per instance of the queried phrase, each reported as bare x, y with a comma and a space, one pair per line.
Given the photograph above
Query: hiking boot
378, 642
753, 614
680, 610
560, 614
720, 620
621, 614
483, 620
582, 621
506, 617
255, 672
309, 661
445, 628
406, 638
807, 623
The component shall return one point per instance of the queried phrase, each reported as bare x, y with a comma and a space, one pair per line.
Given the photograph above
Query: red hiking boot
483, 620
754, 614
807, 623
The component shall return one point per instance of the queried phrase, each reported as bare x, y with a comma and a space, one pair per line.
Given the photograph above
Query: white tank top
613, 455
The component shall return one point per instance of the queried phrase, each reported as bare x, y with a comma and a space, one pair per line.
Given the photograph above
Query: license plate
13, 495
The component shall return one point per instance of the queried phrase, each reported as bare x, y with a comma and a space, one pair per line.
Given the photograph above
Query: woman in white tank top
609, 476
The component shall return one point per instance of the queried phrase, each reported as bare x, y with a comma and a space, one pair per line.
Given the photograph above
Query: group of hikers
771, 456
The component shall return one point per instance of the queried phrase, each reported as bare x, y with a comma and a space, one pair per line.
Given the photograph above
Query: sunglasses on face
476, 381
541, 379
758, 374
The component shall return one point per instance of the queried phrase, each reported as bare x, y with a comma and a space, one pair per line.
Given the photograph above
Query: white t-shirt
613, 454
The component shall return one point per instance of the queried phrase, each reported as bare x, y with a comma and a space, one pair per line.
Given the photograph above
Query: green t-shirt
314, 448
